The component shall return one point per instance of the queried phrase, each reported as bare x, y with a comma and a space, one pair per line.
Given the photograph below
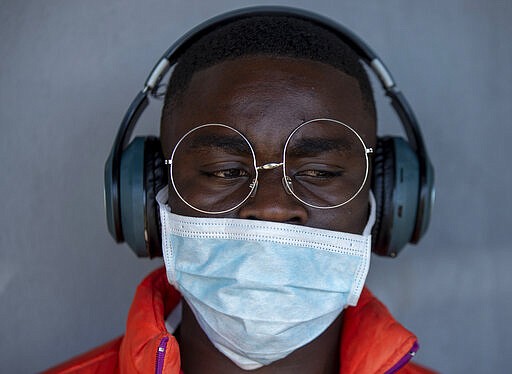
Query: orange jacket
371, 342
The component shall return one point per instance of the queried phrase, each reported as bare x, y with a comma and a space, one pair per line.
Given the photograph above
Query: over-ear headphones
403, 177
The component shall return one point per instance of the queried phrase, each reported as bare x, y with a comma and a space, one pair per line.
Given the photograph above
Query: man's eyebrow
306, 147
229, 143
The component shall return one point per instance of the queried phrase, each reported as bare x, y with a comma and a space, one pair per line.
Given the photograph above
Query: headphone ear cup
396, 184
110, 200
155, 178
382, 186
141, 175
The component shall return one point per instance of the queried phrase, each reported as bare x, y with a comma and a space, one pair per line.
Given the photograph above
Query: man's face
266, 98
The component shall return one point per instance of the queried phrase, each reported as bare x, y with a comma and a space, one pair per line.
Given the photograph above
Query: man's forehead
265, 96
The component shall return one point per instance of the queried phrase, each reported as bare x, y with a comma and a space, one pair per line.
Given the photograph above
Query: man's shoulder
102, 359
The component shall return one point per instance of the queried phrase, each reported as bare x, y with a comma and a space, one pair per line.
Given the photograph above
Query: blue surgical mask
259, 289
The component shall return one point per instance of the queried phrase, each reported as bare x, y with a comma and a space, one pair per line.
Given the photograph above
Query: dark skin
265, 98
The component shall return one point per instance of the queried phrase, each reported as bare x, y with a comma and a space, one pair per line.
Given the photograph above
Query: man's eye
323, 174
229, 173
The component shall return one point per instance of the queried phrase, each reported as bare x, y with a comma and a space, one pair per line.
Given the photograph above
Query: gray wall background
68, 71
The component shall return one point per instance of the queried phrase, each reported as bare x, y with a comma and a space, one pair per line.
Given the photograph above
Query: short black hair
276, 36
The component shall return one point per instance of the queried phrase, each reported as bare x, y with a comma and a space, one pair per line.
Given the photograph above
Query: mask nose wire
270, 166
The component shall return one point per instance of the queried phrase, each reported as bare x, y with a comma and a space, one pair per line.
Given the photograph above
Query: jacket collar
372, 340
146, 335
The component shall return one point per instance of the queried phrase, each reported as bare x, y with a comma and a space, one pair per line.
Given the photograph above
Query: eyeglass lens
212, 168
325, 163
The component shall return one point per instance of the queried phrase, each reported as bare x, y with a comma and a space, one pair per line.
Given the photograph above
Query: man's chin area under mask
321, 350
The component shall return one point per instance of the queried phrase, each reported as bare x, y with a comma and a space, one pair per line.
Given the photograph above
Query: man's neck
199, 355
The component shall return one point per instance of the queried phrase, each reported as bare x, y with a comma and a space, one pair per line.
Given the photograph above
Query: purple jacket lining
404, 360
160, 354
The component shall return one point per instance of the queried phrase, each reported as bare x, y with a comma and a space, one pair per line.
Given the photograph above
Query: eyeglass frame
286, 180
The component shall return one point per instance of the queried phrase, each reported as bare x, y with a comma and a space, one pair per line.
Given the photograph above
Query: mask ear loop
371, 219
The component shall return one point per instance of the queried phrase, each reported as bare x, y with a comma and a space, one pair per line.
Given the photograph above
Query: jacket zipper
404, 360
160, 355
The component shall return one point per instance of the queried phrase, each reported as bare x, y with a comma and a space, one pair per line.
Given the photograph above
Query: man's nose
271, 202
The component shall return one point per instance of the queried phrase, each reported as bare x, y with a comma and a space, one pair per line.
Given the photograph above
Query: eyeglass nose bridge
287, 182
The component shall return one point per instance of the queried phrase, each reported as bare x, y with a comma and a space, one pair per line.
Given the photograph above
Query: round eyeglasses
213, 167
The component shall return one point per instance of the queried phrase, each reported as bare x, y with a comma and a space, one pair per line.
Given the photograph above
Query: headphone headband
172, 55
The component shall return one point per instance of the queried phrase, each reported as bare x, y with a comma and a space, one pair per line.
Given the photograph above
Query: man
268, 126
